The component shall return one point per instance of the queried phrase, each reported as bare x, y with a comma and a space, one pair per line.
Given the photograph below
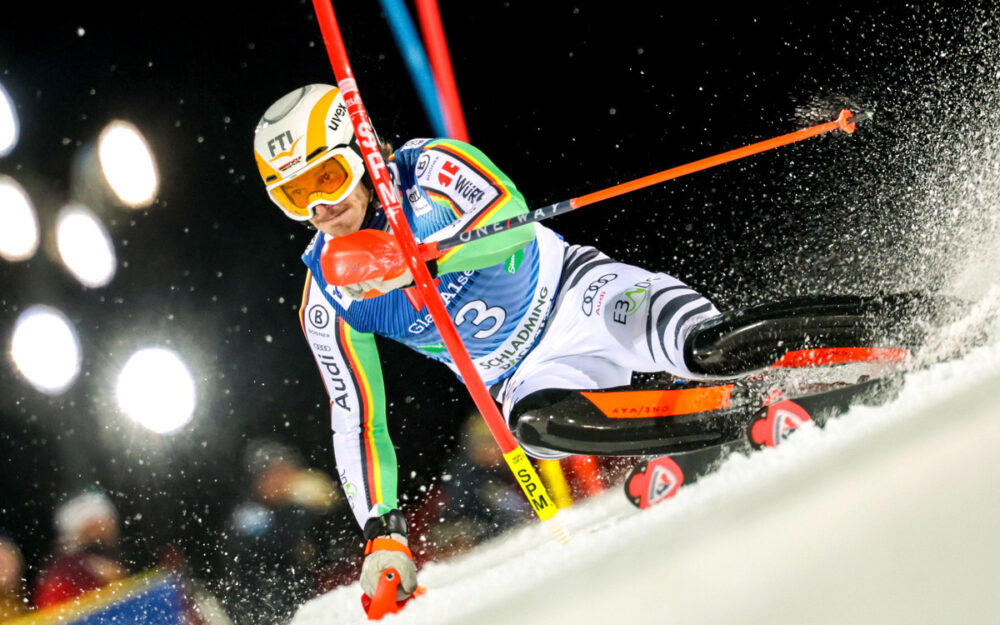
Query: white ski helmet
306, 152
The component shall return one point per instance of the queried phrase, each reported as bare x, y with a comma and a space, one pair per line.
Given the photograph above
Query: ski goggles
327, 181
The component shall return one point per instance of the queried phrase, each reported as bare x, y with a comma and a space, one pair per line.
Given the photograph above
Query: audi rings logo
595, 286
318, 316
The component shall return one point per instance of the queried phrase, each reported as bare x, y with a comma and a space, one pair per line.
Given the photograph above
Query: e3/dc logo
318, 316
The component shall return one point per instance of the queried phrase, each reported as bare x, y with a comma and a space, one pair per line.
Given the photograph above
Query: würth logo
447, 173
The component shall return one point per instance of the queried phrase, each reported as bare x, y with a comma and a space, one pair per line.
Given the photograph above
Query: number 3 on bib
481, 315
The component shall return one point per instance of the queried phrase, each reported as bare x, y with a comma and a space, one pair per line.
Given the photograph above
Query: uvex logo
282, 142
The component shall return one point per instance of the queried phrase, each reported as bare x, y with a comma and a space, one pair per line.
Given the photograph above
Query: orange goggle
327, 181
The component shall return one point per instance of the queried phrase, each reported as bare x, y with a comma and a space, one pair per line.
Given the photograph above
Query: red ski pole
353, 259
518, 461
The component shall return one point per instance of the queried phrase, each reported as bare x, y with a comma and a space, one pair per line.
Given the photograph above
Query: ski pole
354, 260
516, 459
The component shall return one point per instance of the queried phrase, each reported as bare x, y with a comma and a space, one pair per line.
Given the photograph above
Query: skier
541, 318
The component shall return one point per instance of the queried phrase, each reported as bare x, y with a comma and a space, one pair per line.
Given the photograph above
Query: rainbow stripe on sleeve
377, 452
490, 211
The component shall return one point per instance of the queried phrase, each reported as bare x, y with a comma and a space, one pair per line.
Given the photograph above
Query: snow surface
888, 515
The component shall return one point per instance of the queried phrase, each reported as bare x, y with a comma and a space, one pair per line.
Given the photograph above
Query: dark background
567, 98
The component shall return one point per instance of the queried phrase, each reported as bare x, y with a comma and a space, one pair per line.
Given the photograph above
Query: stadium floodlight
156, 390
45, 349
85, 246
127, 164
18, 222
9, 126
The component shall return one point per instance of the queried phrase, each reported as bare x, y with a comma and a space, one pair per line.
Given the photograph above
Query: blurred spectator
271, 551
12, 597
200, 607
477, 499
480, 486
86, 552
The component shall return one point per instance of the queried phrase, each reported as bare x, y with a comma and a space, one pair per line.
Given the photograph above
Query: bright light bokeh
128, 164
18, 222
9, 126
46, 349
156, 390
85, 246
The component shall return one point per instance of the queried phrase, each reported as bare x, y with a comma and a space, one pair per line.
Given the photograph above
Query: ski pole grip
384, 600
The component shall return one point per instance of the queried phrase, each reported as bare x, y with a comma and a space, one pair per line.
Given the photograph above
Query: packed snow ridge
886, 515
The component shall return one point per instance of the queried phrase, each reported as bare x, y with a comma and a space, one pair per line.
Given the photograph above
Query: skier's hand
389, 552
378, 286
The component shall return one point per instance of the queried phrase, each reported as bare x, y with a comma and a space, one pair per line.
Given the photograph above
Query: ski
779, 414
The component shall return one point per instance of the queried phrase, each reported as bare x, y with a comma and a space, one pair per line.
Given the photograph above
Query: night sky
566, 97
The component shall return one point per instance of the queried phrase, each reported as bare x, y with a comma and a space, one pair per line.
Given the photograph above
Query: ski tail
741, 341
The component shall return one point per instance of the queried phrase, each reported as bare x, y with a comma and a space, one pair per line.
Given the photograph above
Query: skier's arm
494, 199
349, 365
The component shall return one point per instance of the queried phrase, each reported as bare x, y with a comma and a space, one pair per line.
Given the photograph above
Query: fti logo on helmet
280, 141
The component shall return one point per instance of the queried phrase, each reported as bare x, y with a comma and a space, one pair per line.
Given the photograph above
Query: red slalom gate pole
513, 454
588, 474
437, 51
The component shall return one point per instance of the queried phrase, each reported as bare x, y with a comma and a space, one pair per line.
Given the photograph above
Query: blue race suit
499, 292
